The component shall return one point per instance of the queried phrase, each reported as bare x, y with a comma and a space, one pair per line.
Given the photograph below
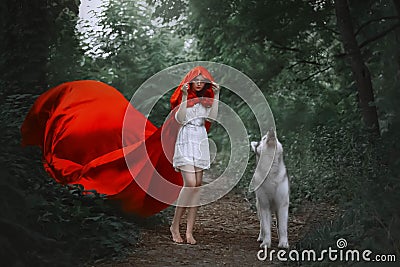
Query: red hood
207, 100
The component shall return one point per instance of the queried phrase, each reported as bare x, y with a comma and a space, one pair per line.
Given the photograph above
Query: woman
197, 98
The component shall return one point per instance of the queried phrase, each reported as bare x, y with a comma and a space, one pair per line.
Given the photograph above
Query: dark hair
202, 91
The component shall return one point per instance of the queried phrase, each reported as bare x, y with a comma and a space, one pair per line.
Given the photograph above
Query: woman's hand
215, 86
185, 89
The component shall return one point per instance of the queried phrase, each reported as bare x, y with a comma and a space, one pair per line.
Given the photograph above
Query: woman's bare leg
176, 236
184, 200
192, 211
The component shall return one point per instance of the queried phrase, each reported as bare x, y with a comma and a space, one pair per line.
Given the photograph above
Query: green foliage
27, 31
65, 61
371, 219
130, 47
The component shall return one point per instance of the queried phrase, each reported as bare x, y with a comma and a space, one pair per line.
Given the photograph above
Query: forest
330, 70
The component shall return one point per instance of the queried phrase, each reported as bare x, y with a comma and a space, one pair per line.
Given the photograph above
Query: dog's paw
265, 244
283, 244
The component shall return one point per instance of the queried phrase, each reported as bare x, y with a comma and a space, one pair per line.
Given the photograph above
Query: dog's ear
254, 146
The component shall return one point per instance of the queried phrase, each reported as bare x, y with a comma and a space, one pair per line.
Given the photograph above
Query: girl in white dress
192, 153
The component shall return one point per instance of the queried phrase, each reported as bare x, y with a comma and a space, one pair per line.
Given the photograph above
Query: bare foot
190, 239
176, 236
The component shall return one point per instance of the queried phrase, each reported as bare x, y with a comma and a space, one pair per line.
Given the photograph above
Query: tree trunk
360, 71
397, 32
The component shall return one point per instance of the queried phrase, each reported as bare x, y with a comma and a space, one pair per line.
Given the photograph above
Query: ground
226, 232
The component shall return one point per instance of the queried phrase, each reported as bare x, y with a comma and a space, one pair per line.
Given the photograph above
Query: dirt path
226, 232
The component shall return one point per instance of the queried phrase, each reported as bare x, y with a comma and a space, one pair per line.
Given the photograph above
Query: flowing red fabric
91, 135
79, 124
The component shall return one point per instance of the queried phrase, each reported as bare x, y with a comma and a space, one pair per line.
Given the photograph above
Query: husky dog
272, 191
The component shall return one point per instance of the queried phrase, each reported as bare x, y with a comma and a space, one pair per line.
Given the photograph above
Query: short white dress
191, 147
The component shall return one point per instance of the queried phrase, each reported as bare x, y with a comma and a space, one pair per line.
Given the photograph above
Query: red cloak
79, 126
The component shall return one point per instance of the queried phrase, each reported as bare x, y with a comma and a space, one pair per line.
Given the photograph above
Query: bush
44, 223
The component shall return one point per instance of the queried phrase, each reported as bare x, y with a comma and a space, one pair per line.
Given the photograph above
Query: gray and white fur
272, 194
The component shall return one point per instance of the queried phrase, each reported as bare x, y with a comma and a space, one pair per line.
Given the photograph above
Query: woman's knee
189, 179
190, 182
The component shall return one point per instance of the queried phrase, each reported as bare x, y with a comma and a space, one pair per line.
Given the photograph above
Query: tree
131, 46
27, 32
361, 72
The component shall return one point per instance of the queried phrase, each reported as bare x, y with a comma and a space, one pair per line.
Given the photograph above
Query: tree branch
323, 26
315, 74
304, 62
365, 24
378, 36
282, 47
370, 40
